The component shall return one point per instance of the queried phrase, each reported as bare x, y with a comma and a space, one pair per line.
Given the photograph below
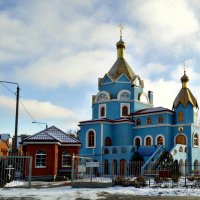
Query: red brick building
51, 150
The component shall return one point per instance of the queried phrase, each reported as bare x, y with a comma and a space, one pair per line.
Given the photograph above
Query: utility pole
16, 119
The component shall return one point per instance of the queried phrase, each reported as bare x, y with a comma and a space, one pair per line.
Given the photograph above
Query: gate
15, 170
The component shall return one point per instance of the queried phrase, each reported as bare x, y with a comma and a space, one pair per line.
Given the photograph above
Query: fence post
30, 171
112, 173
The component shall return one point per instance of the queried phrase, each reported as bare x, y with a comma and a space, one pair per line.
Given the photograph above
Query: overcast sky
57, 50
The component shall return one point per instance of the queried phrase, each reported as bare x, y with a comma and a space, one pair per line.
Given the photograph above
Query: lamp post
16, 114
41, 123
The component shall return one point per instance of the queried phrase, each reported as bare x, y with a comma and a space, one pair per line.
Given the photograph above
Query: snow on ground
69, 193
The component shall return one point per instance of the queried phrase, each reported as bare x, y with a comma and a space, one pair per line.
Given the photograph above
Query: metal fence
15, 170
156, 175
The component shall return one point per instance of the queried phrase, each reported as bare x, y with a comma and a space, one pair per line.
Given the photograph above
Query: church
125, 121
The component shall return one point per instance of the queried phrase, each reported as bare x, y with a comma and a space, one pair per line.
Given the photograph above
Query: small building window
180, 116
196, 140
148, 141
160, 140
160, 119
106, 151
102, 112
149, 120
138, 122
124, 111
137, 142
41, 158
66, 160
180, 149
91, 139
108, 141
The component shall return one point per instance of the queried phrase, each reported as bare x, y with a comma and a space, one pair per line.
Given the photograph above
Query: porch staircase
150, 164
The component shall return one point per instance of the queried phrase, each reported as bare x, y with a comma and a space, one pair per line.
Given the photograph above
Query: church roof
151, 110
51, 134
121, 67
184, 97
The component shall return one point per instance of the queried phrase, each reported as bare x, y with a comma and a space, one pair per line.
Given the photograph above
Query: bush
175, 179
141, 180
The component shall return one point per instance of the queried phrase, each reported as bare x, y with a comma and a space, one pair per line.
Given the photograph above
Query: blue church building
125, 121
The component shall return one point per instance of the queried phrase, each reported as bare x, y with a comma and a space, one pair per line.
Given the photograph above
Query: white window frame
193, 139
66, 155
147, 137
37, 166
121, 106
122, 91
139, 138
100, 106
86, 143
156, 142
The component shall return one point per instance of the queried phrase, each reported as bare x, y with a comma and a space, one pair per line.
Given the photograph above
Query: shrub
175, 179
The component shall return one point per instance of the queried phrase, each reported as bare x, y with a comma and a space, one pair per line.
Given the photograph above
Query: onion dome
185, 96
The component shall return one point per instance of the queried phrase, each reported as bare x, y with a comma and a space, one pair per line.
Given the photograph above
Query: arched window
180, 149
124, 111
148, 141
114, 150
106, 151
91, 139
106, 167
181, 139
137, 142
196, 139
102, 96
180, 116
160, 140
66, 160
185, 149
40, 158
102, 112
115, 167
160, 119
108, 141
175, 152
138, 122
149, 120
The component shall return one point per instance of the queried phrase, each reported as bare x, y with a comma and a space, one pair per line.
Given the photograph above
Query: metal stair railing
152, 159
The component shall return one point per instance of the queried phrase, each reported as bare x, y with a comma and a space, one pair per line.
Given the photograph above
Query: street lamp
41, 123
16, 114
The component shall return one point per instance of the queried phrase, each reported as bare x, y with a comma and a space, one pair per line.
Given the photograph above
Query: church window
108, 141
180, 116
196, 139
181, 139
102, 110
66, 160
124, 95
148, 141
138, 122
106, 167
106, 151
149, 120
160, 140
114, 150
137, 142
114, 167
40, 158
160, 119
196, 164
91, 138
124, 111
180, 149
103, 96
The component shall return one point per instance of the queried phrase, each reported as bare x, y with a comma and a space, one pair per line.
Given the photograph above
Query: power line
8, 89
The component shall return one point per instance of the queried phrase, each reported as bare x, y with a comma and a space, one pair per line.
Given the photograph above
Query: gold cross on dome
121, 26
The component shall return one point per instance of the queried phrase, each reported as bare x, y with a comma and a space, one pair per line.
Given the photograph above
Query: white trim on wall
157, 139
145, 140
139, 138
121, 106
101, 106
